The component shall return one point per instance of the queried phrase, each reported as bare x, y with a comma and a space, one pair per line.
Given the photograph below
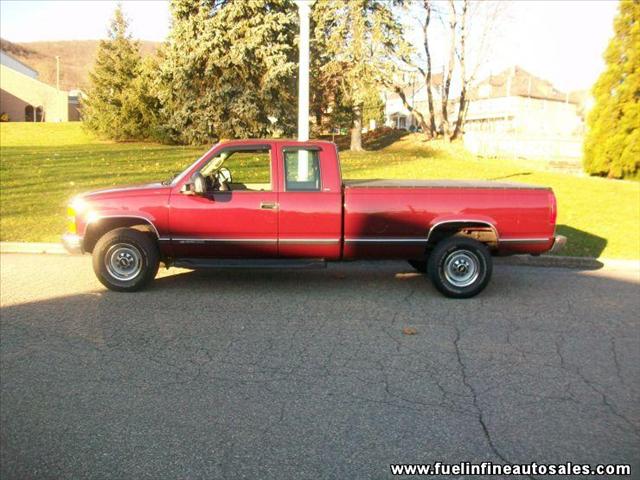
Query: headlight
78, 205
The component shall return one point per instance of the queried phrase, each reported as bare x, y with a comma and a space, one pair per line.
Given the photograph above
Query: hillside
76, 59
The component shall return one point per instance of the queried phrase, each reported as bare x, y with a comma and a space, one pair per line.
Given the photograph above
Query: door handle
268, 205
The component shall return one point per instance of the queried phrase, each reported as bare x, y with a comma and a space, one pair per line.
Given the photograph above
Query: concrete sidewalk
32, 247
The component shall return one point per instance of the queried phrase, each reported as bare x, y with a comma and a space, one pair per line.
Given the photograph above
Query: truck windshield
177, 178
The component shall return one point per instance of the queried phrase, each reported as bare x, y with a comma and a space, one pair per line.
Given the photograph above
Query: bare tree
487, 17
448, 74
462, 103
405, 55
427, 75
470, 28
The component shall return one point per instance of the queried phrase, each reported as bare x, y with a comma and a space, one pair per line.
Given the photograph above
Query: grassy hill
76, 59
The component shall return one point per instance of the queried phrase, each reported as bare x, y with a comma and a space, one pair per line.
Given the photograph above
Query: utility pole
58, 72
304, 11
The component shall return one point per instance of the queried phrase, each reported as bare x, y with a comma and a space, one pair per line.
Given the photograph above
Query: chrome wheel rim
123, 261
461, 268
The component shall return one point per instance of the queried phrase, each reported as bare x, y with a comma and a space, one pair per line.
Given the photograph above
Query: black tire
122, 253
460, 267
419, 265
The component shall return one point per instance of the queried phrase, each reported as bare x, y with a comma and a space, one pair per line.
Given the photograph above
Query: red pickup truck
283, 203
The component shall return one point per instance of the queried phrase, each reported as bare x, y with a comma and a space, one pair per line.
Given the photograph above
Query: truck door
310, 202
236, 220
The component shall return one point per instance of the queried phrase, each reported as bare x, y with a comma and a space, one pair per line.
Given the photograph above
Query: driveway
308, 374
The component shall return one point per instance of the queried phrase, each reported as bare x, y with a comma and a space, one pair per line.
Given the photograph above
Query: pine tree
113, 109
612, 144
229, 70
356, 40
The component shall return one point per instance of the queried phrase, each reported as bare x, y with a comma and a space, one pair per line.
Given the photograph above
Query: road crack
474, 398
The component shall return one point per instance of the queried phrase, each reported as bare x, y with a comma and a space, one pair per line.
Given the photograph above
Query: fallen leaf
409, 331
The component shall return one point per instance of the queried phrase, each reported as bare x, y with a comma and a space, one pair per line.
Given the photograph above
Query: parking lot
310, 374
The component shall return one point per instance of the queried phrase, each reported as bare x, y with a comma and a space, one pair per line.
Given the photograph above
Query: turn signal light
71, 220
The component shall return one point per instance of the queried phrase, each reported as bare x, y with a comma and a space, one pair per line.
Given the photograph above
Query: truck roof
274, 141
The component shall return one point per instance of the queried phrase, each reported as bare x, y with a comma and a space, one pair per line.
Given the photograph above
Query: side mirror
187, 189
197, 186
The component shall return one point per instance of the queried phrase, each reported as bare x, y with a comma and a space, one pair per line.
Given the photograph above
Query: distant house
397, 115
515, 113
23, 98
516, 101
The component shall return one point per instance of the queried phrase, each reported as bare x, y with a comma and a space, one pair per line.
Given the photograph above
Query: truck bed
383, 218
475, 184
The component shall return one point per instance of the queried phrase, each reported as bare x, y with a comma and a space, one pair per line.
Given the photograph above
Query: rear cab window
302, 170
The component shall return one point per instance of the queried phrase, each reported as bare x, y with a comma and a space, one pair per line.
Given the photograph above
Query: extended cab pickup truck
278, 203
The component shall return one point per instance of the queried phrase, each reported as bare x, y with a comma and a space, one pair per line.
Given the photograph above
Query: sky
34, 20
562, 41
559, 40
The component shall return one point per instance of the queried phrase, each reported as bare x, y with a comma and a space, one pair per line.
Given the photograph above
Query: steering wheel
222, 179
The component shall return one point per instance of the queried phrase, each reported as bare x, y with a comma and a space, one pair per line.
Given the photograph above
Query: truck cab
255, 199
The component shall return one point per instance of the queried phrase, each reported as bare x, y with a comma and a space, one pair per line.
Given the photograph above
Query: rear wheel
125, 260
460, 267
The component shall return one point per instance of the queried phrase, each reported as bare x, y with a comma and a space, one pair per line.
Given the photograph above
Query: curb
553, 261
557, 261
32, 247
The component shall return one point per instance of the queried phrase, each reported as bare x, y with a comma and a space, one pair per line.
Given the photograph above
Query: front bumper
559, 242
73, 243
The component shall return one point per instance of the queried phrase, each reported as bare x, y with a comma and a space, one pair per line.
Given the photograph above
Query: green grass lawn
43, 165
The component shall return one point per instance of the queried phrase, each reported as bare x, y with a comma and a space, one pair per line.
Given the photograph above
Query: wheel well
482, 232
97, 229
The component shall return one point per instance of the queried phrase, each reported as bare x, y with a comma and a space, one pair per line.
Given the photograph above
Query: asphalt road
307, 374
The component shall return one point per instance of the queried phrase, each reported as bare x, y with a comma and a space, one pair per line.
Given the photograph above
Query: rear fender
481, 228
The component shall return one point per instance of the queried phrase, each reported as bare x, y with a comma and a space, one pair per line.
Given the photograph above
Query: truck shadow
338, 279
581, 243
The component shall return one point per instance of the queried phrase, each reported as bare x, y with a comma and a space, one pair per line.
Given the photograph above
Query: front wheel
460, 267
125, 260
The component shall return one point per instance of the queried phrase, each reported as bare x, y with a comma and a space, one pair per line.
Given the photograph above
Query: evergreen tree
113, 109
229, 70
373, 107
612, 144
356, 40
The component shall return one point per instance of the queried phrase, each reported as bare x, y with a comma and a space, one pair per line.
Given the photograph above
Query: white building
15, 64
397, 115
518, 114
513, 113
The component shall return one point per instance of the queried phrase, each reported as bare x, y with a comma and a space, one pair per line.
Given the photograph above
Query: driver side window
240, 170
